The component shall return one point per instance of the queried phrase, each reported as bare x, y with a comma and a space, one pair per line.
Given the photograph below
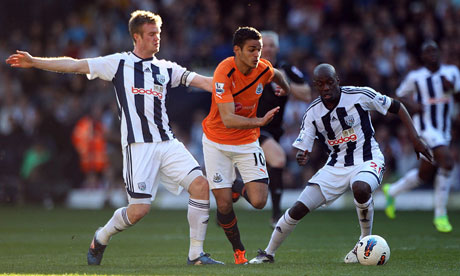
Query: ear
136, 37
237, 49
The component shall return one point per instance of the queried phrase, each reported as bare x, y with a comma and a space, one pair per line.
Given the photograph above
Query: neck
143, 54
243, 68
433, 67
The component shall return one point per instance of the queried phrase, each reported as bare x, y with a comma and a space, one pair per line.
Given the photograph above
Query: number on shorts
260, 160
378, 170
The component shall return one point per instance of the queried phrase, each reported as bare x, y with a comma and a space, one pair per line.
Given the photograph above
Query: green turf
37, 241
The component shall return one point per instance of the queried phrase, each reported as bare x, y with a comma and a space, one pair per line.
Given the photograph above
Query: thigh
312, 197
178, 167
370, 172
257, 189
220, 171
140, 172
332, 181
274, 153
251, 164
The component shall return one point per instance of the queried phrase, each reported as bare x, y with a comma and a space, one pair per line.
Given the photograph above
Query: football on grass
373, 250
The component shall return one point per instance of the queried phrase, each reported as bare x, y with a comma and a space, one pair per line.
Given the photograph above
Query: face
250, 54
149, 40
430, 55
327, 86
269, 50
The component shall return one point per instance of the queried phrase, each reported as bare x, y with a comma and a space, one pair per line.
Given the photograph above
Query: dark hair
245, 33
139, 18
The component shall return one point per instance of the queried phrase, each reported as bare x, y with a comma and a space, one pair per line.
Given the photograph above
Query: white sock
406, 183
198, 217
116, 224
441, 192
283, 228
366, 216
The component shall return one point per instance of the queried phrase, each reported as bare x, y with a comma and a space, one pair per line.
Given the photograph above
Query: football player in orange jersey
231, 131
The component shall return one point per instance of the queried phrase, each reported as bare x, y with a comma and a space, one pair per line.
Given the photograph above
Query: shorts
334, 181
146, 165
435, 138
220, 161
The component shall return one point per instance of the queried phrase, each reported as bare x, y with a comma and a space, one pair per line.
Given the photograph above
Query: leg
276, 160
441, 188
228, 221
364, 206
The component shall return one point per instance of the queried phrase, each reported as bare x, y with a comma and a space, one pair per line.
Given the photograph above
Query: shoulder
226, 67
359, 91
264, 63
449, 68
314, 107
165, 63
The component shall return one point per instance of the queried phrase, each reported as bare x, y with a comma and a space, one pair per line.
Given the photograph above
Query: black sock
229, 223
238, 187
276, 189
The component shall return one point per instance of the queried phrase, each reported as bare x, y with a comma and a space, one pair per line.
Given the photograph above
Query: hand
280, 91
421, 147
20, 59
269, 116
301, 157
447, 86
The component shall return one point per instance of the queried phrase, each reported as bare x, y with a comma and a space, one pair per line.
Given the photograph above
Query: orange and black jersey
230, 85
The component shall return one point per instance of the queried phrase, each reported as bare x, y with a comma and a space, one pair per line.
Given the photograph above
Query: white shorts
435, 138
145, 165
220, 161
334, 181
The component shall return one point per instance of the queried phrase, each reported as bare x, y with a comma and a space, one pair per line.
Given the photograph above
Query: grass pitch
37, 241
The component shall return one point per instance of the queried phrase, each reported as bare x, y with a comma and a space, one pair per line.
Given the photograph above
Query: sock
283, 228
116, 224
229, 223
198, 217
276, 189
239, 187
408, 182
441, 192
366, 216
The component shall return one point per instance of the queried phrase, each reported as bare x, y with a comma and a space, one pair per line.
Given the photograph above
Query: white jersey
346, 131
426, 88
141, 87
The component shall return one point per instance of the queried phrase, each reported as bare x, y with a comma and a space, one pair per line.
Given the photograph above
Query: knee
298, 211
361, 191
137, 213
259, 202
224, 206
199, 188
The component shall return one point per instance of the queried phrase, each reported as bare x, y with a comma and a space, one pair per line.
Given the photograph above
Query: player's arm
301, 91
232, 120
302, 157
279, 79
59, 64
419, 146
202, 82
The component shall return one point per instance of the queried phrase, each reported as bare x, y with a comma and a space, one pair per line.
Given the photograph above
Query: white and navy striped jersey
347, 130
426, 87
141, 88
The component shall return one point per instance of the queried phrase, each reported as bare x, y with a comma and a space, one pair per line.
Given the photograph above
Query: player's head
430, 53
270, 41
247, 45
145, 28
326, 82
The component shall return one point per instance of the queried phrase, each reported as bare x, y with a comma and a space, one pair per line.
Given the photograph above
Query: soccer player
231, 131
431, 91
270, 134
340, 120
151, 154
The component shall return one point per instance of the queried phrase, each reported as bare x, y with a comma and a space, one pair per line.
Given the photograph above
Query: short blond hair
139, 18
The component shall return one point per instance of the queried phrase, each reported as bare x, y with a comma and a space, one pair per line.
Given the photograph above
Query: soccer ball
373, 250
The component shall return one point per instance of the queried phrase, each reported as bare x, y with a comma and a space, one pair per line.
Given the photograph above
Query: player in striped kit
151, 154
340, 120
431, 90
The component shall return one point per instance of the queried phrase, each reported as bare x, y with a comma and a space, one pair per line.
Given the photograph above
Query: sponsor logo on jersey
349, 120
348, 135
240, 106
142, 186
161, 79
217, 178
259, 89
219, 89
156, 91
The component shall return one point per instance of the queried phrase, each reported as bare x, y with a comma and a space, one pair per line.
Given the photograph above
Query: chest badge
349, 120
259, 89
161, 79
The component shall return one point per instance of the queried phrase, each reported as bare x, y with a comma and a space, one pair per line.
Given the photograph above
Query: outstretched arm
202, 82
419, 146
232, 120
281, 81
301, 91
59, 64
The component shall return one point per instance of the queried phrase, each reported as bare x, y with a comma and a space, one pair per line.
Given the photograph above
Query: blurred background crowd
61, 132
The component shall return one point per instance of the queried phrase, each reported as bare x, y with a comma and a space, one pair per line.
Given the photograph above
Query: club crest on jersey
217, 178
349, 120
259, 89
161, 79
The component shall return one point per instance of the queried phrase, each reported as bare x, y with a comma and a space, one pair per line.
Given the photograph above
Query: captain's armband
395, 106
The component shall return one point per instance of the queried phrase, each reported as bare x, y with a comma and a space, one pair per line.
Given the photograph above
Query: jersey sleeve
180, 75
456, 80
222, 84
379, 102
406, 87
271, 71
103, 67
306, 137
